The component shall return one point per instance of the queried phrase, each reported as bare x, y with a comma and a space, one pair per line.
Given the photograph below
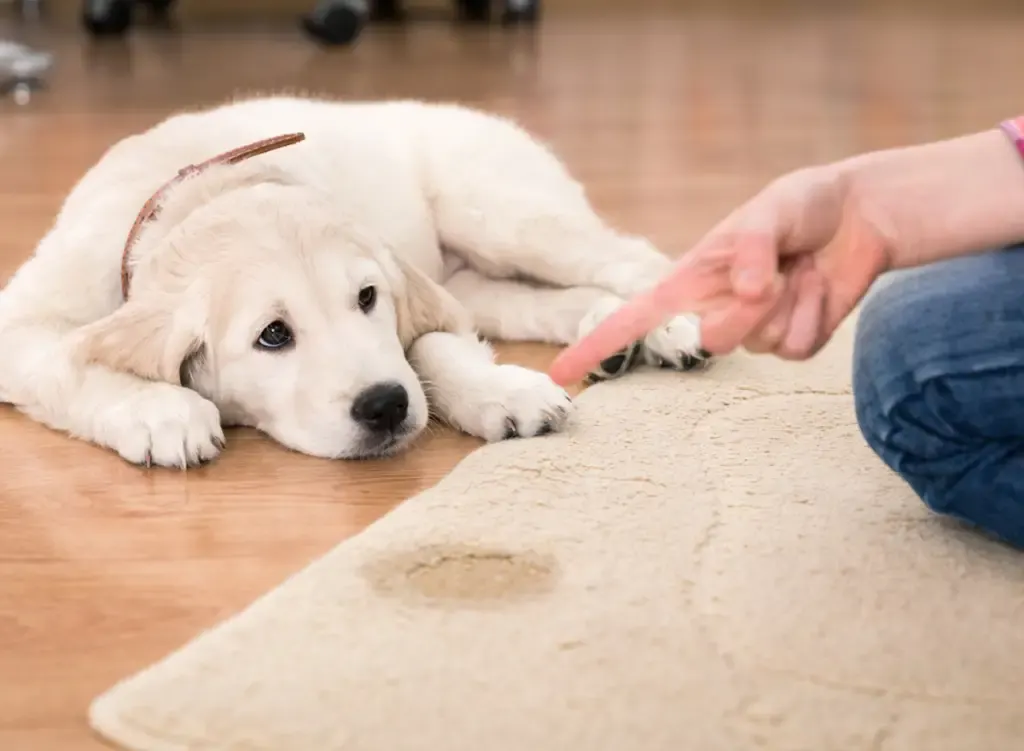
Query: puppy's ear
423, 307
145, 339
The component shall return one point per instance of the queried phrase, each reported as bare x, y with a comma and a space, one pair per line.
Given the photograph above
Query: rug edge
107, 715
102, 713
105, 720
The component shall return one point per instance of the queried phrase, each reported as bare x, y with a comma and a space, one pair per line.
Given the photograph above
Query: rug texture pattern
702, 562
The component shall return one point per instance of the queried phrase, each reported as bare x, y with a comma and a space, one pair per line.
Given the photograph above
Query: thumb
751, 239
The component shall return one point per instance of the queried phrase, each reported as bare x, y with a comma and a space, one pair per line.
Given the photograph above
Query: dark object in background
473, 11
513, 11
340, 22
331, 22
521, 11
23, 70
337, 22
114, 17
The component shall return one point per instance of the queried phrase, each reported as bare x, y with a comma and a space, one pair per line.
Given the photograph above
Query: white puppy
323, 293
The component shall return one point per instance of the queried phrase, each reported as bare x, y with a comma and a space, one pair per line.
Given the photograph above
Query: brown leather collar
151, 209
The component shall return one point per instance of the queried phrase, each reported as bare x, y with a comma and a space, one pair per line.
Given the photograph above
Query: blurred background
670, 112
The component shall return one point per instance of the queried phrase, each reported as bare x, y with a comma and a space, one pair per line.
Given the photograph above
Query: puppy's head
253, 292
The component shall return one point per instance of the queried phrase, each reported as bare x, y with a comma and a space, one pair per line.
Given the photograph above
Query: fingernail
749, 277
752, 283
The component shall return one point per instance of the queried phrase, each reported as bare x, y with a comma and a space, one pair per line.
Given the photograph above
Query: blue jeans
938, 382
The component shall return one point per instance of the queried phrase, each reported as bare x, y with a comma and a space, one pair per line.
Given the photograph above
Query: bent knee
891, 333
952, 471
956, 326
935, 397
901, 367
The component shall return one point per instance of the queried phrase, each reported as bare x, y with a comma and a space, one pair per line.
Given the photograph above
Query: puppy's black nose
381, 407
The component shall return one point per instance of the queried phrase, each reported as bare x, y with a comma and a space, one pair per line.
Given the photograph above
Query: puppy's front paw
515, 402
676, 345
618, 363
164, 425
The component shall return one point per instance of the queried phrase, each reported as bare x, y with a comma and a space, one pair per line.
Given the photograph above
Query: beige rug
705, 561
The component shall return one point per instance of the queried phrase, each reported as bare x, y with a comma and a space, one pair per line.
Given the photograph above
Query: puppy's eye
275, 336
367, 298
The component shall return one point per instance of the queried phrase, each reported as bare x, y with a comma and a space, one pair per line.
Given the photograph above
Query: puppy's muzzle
382, 408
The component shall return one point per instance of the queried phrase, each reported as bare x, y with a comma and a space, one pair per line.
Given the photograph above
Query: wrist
942, 199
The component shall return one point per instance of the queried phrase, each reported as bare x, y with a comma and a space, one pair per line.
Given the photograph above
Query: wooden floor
669, 118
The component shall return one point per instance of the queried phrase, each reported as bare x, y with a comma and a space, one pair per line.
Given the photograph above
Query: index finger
680, 291
627, 324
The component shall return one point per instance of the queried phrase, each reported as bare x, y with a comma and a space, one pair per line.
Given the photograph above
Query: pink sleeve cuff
1014, 130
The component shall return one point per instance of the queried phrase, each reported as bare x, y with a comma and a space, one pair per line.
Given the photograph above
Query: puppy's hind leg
535, 222
521, 311
514, 211
513, 310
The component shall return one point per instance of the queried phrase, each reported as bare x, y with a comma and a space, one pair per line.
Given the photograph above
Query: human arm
943, 199
784, 269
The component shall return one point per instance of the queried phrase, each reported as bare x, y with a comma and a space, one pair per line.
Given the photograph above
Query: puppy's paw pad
676, 345
166, 426
522, 403
618, 364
